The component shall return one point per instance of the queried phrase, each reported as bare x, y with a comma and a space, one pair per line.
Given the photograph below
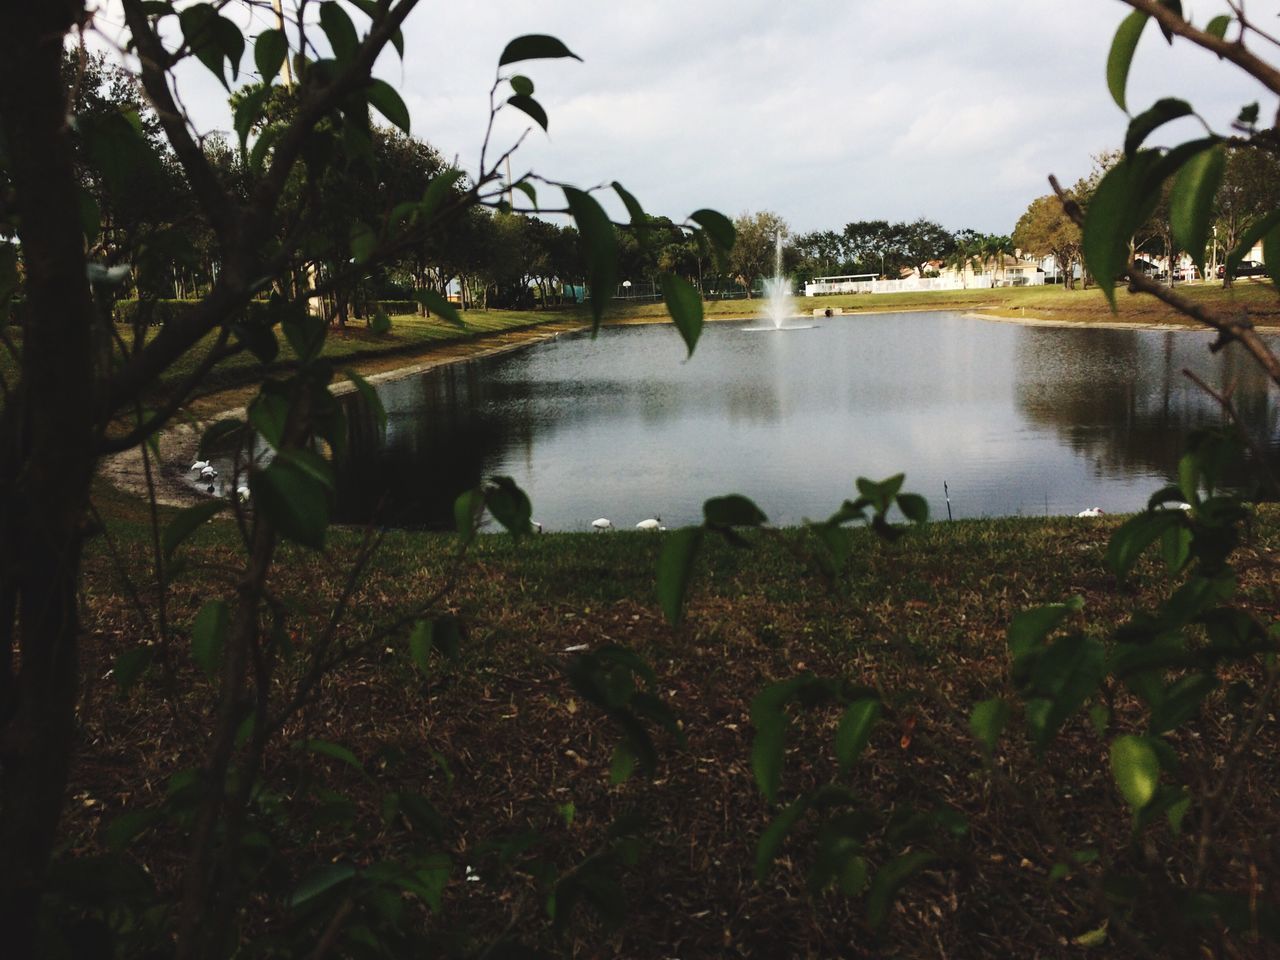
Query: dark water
1016, 419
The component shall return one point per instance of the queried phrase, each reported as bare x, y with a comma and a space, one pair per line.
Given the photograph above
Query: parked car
1246, 268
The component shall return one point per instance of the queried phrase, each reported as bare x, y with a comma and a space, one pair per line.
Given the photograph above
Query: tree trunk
47, 436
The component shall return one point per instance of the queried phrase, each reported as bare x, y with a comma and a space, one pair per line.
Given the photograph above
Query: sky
822, 112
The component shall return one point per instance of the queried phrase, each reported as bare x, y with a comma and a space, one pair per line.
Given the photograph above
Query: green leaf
675, 571
305, 333
335, 751
208, 636
914, 507
269, 51
1252, 234
527, 188
420, 644
295, 501
1175, 548
889, 879
622, 765
128, 827
90, 225
384, 98
1191, 201
1029, 629
1217, 27
467, 510
733, 510
1120, 57
187, 522
1136, 534
1136, 770
509, 505
130, 666
600, 248
1124, 199
1141, 126
522, 85
767, 752
249, 111
321, 881
312, 464
1092, 938
771, 840
258, 338
363, 242
197, 33
369, 397
684, 303
529, 106
535, 46
1175, 6
1181, 702
438, 304
337, 26
854, 730
639, 219
268, 414
718, 227
1271, 253
437, 190
987, 722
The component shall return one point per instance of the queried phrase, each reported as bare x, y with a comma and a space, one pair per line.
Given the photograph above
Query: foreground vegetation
514, 764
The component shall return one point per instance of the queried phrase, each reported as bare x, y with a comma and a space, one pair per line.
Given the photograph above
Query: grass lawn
503, 745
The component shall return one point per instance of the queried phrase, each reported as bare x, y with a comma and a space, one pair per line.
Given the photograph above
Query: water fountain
777, 292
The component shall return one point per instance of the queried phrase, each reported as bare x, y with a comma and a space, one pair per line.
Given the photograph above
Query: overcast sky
823, 112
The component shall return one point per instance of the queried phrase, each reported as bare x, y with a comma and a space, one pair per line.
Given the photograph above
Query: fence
913, 284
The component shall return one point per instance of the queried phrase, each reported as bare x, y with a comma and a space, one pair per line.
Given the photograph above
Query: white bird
1091, 512
536, 525
199, 465
242, 493
653, 523
208, 473
602, 524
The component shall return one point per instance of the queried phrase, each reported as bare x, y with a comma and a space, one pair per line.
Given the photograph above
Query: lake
1015, 419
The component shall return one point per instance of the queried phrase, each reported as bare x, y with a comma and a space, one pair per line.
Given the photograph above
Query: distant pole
285, 68
947, 493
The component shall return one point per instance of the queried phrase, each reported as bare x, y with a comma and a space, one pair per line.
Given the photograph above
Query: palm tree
961, 257
996, 248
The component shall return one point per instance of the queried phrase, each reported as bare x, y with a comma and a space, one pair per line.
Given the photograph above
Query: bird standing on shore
602, 524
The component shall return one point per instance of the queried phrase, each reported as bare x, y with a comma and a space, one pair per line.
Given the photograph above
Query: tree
755, 249
84, 392
1045, 229
1250, 190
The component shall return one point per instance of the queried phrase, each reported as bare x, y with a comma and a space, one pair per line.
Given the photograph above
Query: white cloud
824, 113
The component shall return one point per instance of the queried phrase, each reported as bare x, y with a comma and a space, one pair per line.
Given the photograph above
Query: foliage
316, 201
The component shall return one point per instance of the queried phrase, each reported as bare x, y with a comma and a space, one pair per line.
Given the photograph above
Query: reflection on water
1016, 419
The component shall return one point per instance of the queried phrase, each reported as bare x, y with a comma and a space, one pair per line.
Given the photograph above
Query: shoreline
179, 442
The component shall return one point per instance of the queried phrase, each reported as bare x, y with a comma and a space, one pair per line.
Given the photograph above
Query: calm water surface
1016, 419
